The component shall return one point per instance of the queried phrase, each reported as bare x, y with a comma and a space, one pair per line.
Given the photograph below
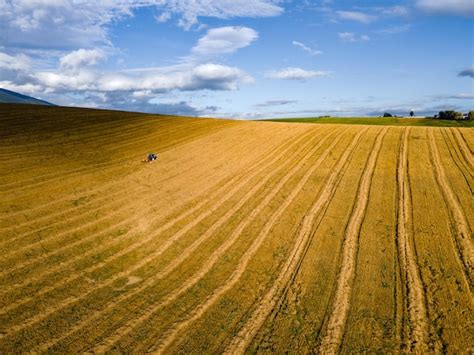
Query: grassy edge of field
380, 121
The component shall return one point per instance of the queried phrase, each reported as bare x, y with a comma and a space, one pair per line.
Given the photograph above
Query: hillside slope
12, 97
242, 236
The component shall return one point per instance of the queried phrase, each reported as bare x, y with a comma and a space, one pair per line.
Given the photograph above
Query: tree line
443, 115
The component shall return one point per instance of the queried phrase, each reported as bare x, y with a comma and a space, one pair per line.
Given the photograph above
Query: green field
379, 121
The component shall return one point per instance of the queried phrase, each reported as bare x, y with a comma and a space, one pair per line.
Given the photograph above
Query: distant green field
381, 121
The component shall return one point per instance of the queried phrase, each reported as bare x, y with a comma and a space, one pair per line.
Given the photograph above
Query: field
380, 121
241, 237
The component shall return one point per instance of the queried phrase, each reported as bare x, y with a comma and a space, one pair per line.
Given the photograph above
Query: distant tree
470, 115
412, 113
386, 114
450, 115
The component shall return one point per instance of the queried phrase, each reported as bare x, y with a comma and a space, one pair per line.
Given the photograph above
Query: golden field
241, 237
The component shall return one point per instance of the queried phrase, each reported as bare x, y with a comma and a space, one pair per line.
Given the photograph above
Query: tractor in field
151, 157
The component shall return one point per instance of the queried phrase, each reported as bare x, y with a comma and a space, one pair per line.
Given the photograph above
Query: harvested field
242, 237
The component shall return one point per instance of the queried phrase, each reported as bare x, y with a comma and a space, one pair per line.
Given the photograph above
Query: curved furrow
458, 159
336, 323
52, 204
418, 332
78, 123
61, 235
169, 337
86, 209
163, 247
183, 256
243, 339
29, 184
116, 164
116, 131
58, 175
21, 241
212, 193
465, 149
463, 233
9, 266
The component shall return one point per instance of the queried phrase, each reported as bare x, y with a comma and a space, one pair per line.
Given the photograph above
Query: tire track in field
214, 257
51, 177
458, 158
336, 323
116, 164
59, 266
33, 182
68, 198
465, 149
259, 167
418, 332
463, 234
60, 235
256, 167
243, 339
86, 211
201, 309
181, 258
115, 201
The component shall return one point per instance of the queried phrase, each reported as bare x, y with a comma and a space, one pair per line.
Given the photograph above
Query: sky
243, 59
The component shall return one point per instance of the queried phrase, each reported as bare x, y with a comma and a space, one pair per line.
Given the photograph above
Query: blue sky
242, 58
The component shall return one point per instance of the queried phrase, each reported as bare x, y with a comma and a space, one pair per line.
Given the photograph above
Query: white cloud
306, 48
14, 62
77, 73
71, 24
80, 58
296, 74
58, 24
356, 16
185, 78
224, 40
21, 88
353, 37
450, 7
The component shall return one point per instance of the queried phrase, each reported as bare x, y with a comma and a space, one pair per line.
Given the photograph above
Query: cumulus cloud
80, 58
356, 16
469, 72
71, 24
296, 74
449, 7
77, 74
58, 24
306, 48
352, 37
224, 40
14, 62
184, 78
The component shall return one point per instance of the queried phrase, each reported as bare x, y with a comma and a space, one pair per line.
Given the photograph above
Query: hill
381, 121
7, 96
242, 236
